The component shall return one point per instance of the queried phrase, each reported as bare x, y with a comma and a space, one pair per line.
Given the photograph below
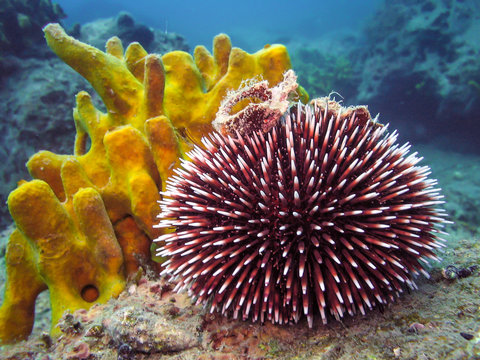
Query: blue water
250, 24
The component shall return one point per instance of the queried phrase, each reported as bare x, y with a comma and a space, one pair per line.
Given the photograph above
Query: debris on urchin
324, 213
265, 106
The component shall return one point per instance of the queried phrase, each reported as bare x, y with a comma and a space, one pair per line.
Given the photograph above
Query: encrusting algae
85, 222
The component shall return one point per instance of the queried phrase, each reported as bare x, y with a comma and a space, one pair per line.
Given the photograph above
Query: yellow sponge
85, 223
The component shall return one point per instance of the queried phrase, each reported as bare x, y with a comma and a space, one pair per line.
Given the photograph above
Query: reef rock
124, 27
419, 65
21, 23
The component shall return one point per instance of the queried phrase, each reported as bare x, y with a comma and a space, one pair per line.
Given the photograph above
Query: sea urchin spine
324, 211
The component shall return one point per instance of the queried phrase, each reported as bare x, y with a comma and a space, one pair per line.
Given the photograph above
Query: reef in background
430, 68
21, 23
424, 79
125, 27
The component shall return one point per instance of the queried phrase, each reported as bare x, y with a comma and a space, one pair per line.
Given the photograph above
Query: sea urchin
323, 211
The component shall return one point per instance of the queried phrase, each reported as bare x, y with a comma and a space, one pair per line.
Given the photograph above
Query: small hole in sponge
90, 293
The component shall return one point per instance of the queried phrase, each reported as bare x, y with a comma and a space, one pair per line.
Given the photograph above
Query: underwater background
416, 63
250, 24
